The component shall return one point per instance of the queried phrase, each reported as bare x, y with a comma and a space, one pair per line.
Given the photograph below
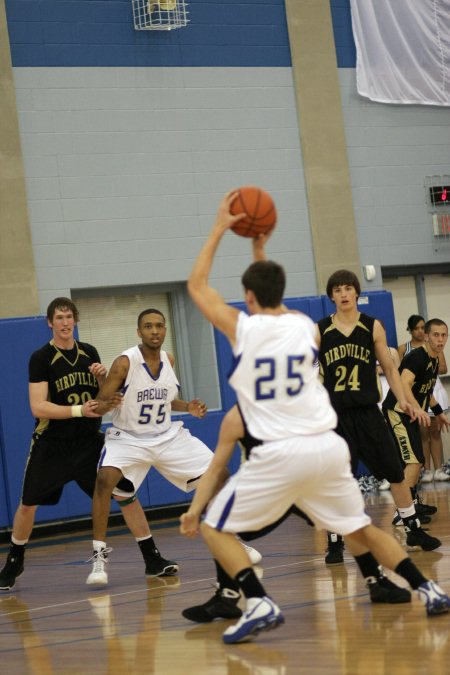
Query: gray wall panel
128, 165
391, 149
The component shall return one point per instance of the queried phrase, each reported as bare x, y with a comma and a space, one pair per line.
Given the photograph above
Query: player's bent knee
360, 536
107, 479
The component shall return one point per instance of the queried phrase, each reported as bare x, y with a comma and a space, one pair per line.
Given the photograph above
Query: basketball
260, 209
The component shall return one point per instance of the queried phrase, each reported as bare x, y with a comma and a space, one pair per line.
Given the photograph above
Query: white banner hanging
402, 50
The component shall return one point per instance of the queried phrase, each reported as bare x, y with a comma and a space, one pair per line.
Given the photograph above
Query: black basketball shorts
53, 462
406, 435
370, 441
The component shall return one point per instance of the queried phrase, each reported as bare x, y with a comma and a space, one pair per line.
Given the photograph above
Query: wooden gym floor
51, 623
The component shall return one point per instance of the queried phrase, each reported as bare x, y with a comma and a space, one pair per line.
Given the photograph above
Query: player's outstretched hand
416, 413
189, 524
90, 409
197, 408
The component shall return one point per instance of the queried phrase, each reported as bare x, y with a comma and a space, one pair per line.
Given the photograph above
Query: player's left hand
197, 408
189, 524
443, 422
416, 413
115, 401
98, 370
258, 244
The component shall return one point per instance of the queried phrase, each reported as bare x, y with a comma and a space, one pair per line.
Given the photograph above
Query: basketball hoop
159, 14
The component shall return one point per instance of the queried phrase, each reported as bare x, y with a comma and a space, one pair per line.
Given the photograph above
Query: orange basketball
260, 209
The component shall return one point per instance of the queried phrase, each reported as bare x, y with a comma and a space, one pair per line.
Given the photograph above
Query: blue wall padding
20, 337
376, 303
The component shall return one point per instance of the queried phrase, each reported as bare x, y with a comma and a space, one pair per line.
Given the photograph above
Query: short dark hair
434, 322
149, 311
63, 304
267, 280
343, 278
413, 320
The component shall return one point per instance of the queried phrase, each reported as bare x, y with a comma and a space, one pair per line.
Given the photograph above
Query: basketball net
159, 14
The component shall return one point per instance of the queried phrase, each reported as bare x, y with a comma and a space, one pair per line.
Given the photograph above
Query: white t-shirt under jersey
275, 379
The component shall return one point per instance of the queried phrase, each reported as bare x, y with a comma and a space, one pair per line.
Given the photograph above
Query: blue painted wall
101, 33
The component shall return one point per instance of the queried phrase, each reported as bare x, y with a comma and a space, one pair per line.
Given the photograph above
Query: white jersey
277, 385
146, 407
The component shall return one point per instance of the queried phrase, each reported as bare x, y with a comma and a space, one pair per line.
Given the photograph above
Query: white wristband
77, 411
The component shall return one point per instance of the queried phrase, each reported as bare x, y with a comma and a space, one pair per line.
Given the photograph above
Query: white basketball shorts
180, 458
312, 472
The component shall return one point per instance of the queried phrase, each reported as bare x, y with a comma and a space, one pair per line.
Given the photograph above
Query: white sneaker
98, 576
436, 601
427, 476
384, 484
440, 474
260, 614
254, 555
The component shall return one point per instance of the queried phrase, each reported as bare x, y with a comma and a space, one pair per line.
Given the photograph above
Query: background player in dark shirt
419, 370
350, 345
64, 378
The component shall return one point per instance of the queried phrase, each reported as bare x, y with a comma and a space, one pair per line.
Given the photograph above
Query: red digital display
440, 195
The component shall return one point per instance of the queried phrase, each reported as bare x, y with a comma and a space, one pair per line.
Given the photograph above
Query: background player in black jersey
419, 371
64, 378
351, 343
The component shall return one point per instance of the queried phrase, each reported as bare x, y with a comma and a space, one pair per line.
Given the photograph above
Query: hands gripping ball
261, 214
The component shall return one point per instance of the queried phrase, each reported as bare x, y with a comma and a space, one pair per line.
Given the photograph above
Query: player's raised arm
207, 299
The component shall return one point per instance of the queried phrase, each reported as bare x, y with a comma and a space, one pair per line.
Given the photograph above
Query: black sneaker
13, 568
425, 509
157, 566
418, 537
223, 605
335, 550
385, 591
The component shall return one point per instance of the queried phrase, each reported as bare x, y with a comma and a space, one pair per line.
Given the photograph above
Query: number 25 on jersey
265, 382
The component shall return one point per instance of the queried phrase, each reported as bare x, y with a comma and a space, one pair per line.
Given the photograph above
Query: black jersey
69, 383
425, 369
348, 364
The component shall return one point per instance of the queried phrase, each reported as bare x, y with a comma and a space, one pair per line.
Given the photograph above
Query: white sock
98, 545
408, 512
